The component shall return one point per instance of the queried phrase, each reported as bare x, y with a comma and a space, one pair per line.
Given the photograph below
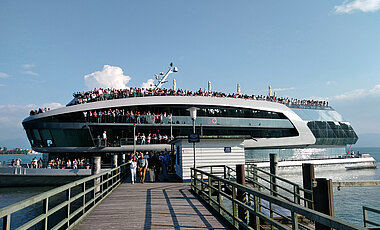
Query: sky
327, 49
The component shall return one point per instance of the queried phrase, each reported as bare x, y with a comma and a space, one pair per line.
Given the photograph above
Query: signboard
193, 138
227, 149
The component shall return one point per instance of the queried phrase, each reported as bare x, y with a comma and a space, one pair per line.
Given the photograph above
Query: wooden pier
152, 206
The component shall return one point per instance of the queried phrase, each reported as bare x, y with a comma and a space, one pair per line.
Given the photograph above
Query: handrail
213, 189
366, 220
295, 193
93, 190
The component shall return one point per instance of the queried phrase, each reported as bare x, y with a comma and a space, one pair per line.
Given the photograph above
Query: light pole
193, 115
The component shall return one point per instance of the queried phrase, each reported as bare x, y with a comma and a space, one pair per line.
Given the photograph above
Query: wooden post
308, 178
96, 166
114, 161
323, 200
273, 171
241, 195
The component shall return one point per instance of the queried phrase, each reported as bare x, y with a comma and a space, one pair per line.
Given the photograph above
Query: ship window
36, 134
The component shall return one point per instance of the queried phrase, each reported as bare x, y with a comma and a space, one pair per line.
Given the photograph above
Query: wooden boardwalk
152, 206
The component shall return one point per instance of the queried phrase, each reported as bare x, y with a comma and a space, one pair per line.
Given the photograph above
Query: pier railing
278, 186
255, 209
62, 207
272, 184
368, 222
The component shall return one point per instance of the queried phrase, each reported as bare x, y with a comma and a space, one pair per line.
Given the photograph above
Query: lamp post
193, 115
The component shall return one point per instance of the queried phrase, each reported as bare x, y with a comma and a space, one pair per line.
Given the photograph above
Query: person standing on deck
105, 138
133, 167
142, 164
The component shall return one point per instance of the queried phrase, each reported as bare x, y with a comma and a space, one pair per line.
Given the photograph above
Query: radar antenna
163, 80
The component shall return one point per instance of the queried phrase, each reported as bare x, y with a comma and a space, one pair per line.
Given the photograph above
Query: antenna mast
163, 80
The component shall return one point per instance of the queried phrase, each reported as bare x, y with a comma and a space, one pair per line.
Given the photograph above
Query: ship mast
163, 80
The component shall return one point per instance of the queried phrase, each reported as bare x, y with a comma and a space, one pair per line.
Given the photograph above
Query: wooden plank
152, 206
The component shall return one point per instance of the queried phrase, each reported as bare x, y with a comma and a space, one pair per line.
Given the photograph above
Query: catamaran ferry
135, 119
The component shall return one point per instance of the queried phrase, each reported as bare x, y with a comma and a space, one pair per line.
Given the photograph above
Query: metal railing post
219, 195
296, 190
256, 219
7, 222
234, 206
202, 184
68, 195
45, 210
365, 216
294, 221
84, 198
209, 190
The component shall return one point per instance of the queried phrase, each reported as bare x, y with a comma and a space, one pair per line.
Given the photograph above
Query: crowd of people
76, 163
155, 138
125, 116
40, 110
150, 166
110, 94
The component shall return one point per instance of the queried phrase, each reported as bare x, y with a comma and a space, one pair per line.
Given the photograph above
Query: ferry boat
109, 120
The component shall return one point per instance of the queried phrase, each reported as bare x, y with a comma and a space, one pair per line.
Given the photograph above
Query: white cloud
28, 66
2, 85
363, 5
148, 85
109, 77
360, 108
283, 89
4, 75
359, 93
29, 72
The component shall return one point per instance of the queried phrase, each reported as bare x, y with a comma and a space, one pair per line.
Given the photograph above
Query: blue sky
303, 49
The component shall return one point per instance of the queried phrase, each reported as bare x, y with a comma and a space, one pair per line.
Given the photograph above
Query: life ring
214, 121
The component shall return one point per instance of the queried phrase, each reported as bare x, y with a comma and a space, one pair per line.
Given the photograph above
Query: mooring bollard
273, 170
308, 177
323, 199
241, 195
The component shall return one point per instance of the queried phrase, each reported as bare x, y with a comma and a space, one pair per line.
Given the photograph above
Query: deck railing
222, 194
65, 206
367, 211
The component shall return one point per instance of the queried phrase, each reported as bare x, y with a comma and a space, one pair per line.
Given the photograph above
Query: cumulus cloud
148, 85
4, 75
29, 72
363, 5
109, 77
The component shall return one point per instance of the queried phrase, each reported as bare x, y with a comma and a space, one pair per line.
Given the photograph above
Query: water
348, 201
25, 159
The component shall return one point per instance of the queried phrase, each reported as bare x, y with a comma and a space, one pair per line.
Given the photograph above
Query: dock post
96, 166
308, 178
323, 200
114, 161
241, 195
123, 158
273, 170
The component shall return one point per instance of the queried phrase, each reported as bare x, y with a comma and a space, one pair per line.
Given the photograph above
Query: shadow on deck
162, 205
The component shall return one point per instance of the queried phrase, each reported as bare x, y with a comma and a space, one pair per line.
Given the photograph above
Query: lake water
348, 201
